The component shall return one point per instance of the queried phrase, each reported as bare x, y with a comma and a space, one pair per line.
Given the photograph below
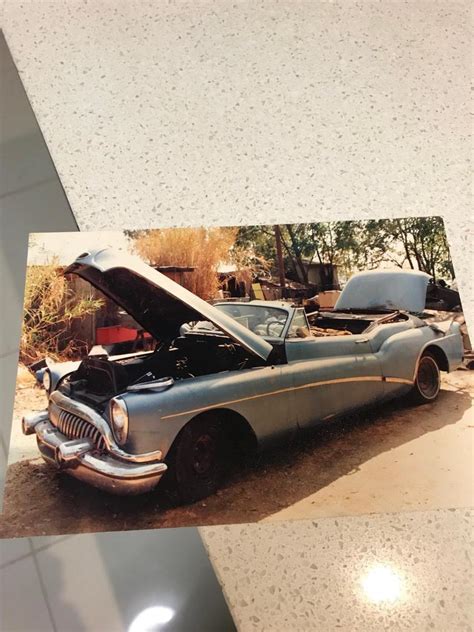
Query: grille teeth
68, 419
74, 427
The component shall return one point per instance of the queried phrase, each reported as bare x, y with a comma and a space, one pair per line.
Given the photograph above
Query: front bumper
81, 459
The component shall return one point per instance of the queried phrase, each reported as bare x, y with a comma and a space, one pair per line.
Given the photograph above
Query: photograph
215, 375
237, 311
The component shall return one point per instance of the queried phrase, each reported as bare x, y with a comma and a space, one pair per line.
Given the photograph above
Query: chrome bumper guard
80, 458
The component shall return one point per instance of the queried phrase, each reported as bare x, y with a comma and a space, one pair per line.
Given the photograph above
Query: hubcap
428, 378
203, 454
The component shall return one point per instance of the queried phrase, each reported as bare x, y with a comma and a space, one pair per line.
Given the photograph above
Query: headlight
47, 380
119, 418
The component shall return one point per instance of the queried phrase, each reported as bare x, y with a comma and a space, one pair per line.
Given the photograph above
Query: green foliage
419, 243
425, 244
259, 239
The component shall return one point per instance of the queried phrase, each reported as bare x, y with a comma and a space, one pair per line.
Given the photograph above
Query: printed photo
214, 375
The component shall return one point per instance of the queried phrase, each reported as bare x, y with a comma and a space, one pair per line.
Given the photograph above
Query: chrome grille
74, 427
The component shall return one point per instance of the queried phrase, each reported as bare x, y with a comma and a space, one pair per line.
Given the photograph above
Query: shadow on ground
41, 501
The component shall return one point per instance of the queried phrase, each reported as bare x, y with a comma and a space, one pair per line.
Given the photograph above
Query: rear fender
400, 354
450, 345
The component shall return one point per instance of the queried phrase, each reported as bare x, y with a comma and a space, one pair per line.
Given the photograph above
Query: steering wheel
274, 321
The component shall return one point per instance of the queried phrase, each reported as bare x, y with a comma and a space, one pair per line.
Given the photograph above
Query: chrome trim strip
89, 414
153, 385
342, 380
398, 380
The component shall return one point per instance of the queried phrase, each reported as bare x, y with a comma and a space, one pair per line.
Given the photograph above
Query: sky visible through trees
417, 243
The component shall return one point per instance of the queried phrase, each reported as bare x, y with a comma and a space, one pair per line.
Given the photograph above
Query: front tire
427, 380
196, 460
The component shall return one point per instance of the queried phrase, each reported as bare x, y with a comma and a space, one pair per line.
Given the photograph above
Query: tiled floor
107, 582
110, 582
20, 583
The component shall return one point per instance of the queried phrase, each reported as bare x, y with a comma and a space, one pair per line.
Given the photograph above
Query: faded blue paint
390, 351
320, 377
59, 370
385, 289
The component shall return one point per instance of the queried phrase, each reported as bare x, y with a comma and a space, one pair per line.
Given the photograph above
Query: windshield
262, 320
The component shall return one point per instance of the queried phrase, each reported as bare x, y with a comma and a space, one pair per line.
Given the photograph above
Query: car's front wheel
427, 380
196, 460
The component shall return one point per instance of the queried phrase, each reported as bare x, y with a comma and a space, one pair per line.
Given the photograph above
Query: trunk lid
385, 290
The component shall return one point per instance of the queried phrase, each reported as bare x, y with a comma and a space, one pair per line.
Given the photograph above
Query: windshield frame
287, 311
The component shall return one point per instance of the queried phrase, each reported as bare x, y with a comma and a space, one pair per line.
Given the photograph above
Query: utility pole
281, 267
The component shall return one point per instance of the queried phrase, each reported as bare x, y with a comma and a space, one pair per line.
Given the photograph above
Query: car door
332, 375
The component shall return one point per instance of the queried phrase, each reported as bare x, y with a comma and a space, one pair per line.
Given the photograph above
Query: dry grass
202, 248
24, 379
49, 308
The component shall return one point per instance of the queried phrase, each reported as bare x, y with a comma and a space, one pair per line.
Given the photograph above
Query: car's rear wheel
196, 460
427, 380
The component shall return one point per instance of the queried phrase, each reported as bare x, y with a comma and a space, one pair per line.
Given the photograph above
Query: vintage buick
230, 378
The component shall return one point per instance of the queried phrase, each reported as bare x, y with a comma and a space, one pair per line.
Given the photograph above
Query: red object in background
114, 334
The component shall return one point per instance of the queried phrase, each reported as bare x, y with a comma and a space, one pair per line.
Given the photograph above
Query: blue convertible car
231, 376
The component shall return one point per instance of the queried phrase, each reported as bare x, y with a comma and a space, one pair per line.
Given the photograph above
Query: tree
355, 245
425, 243
329, 242
419, 242
260, 240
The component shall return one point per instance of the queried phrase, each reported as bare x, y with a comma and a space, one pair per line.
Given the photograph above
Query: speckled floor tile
409, 571
200, 112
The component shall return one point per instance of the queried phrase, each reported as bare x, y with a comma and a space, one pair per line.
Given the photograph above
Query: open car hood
385, 290
156, 302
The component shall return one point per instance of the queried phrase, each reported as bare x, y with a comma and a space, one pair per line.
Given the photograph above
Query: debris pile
319, 331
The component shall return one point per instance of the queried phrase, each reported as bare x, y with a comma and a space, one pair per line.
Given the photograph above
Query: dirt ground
394, 458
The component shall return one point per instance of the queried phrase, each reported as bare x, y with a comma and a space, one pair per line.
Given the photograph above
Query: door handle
359, 341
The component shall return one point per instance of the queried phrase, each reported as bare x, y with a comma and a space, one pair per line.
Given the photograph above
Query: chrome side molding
161, 384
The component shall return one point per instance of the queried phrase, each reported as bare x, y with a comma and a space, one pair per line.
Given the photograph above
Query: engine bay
194, 354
